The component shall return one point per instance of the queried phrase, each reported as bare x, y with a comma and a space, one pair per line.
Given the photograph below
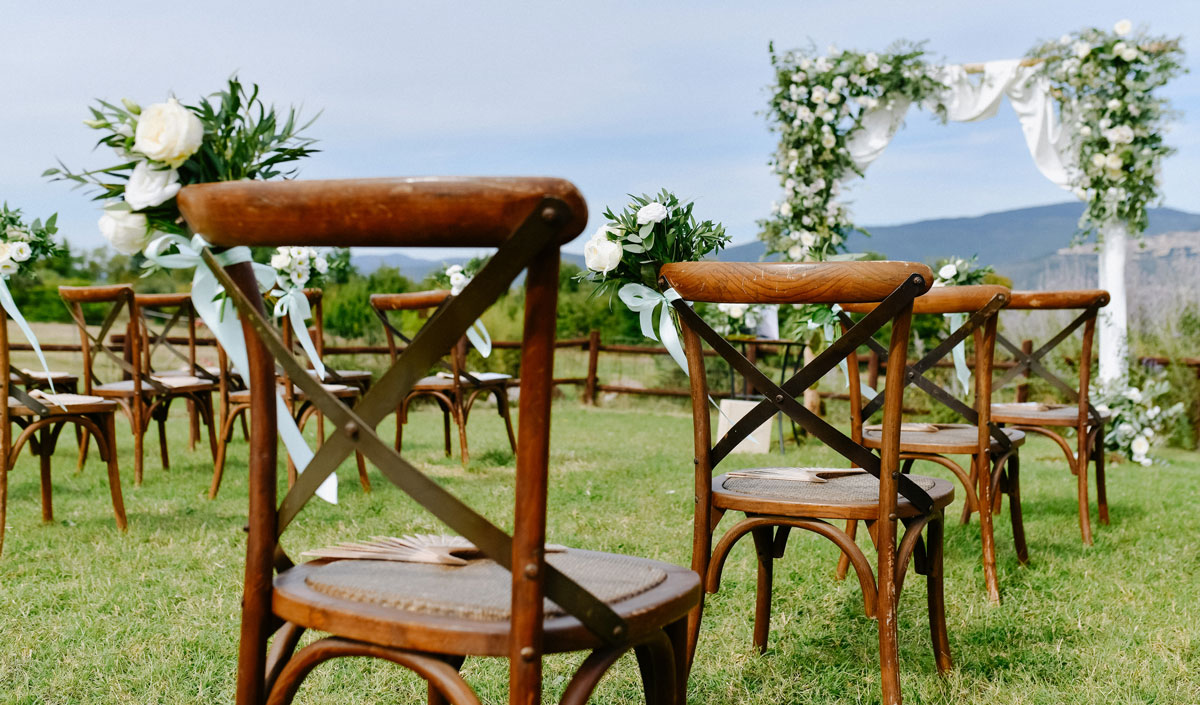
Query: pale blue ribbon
831, 333
961, 371
480, 338
210, 302
294, 304
10, 306
642, 300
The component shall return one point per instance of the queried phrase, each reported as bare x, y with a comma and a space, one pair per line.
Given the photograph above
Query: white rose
834, 98
168, 132
148, 186
808, 239
1082, 49
17, 234
785, 209
1080, 193
793, 235
458, 282
1133, 394
871, 61
1140, 446
795, 253
885, 68
1099, 160
653, 212
299, 276
828, 141
601, 254
1085, 131
1113, 104
19, 251
280, 260
1123, 27
818, 95
126, 231
1153, 412
839, 82
320, 264
1125, 429
737, 310
1121, 134
948, 271
806, 221
4, 253
806, 64
1113, 161
804, 114
1105, 123
8, 267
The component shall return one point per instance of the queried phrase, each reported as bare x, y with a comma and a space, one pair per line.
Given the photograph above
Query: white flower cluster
294, 266
164, 136
21, 242
1105, 83
602, 254
1138, 419
957, 271
14, 250
736, 319
458, 279
817, 106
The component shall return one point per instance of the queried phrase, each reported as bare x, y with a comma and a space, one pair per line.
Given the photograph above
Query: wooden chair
41, 418
354, 378
1044, 419
773, 505
143, 394
994, 466
455, 392
502, 609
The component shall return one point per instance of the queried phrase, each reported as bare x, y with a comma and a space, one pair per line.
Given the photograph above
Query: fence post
1023, 388
589, 388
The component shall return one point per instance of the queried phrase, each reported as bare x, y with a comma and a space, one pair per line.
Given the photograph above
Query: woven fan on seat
440, 549
795, 474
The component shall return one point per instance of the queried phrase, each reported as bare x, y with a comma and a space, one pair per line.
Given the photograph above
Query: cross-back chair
143, 395
455, 390
41, 418
994, 466
354, 378
517, 602
1050, 419
773, 501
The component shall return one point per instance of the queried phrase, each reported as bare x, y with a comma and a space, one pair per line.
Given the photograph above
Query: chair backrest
161, 315
1088, 302
981, 306
527, 220
130, 358
8, 371
424, 303
891, 286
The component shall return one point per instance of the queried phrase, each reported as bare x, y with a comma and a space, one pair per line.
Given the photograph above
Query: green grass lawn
88, 615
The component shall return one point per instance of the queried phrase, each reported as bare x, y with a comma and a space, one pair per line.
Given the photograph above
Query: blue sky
617, 96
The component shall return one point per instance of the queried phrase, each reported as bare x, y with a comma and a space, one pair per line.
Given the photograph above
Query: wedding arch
1087, 104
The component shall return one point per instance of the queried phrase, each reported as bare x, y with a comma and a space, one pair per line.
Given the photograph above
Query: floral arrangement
817, 105
735, 320
650, 232
300, 267
22, 244
956, 271
1105, 83
1137, 417
166, 146
455, 277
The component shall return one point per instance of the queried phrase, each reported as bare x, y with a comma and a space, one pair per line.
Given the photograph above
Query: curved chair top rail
391, 212
790, 283
314, 295
409, 301
152, 300
947, 299
90, 294
1048, 300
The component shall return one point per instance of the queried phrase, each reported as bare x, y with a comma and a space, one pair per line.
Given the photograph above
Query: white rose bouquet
455, 277
163, 147
956, 271
23, 244
1138, 420
1107, 87
301, 267
735, 320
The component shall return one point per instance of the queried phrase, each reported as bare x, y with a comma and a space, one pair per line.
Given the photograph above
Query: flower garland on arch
1105, 84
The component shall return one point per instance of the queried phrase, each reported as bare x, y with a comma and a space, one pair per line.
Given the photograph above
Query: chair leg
210, 420
3, 497
460, 418
44, 463
502, 408
362, 472
935, 592
1097, 455
762, 598
434, 696
223, 449
1014, 507
399, 429
656, 662
844, 560
81, 440
1085, 518
193, 425
987, 536
109, 424
161, 419
889, 647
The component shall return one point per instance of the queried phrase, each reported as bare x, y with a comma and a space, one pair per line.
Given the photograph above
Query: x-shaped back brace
357, 427
160, 340
915, 373
783, 398
98, 344
21, 395
382, 315
1032, 361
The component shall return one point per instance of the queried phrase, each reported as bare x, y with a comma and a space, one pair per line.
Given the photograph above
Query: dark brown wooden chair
877, 494
1049, 419
596, 602
994, 466
354, 378
143, 394
455, 390
41, 418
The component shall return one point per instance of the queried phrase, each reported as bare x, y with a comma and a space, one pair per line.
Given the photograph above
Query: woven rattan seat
1032, 413
943, 438
854, 495
181, 383
242, 396
42, 375
62, 404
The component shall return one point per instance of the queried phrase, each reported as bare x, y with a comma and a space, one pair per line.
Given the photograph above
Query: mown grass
88, 615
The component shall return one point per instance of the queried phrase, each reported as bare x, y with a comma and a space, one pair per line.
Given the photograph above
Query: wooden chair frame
527, 219
1088, 423
992, 473
40, 428
770, 523
456, 404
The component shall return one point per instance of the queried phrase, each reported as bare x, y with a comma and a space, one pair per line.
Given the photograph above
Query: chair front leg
982, 464
935, 592
764, 547
1098, 457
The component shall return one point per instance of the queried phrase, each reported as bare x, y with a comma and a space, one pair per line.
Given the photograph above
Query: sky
619, 97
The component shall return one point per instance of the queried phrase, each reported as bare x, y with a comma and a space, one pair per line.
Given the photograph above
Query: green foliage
347, 306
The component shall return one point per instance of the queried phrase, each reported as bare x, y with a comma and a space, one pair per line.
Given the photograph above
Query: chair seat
60, 404
486, 379
354, 377
181, 383
466, 609
939, 438
843, 494
213, 370
341, 391
42, 376
1035, 414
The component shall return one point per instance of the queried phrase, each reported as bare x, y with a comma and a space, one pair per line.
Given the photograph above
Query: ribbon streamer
961, 371
210, 302
294, 304
10, 306
831, 333
643, 300
480, 338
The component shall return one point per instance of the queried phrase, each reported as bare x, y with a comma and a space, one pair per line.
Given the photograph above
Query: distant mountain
416, 269
998, 238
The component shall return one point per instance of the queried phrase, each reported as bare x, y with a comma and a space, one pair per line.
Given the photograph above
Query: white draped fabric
974, 96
